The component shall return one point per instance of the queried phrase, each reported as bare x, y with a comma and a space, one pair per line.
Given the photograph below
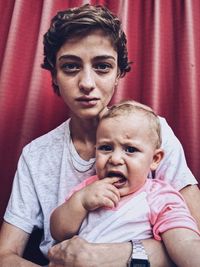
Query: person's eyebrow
97, 58
70, 57
104, 57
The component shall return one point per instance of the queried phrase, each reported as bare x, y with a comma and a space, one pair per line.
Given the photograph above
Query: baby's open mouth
122, 179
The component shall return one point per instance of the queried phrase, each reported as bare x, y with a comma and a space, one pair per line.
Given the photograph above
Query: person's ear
54, 80
118, 77
157, 157
116, 82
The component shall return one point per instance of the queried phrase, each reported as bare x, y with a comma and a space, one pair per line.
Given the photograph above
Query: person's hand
74, 252
101, 193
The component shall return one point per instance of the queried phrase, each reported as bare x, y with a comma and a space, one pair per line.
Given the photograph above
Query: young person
119, 203
86, 54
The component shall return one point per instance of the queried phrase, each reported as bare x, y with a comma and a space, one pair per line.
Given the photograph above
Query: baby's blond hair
128, 107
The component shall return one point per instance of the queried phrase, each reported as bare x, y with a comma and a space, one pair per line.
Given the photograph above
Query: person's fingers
111, 197
111, 187
111, 180
54, 254
109, 203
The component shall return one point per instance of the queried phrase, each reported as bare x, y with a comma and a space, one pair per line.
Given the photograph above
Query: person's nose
116, 158
87, 81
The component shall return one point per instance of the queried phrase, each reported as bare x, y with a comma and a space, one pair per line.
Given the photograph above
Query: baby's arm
66, 219
183, 246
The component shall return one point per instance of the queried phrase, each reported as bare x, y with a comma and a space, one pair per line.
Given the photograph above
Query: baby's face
124, 149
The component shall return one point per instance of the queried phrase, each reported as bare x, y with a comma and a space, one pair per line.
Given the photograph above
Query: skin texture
183, 247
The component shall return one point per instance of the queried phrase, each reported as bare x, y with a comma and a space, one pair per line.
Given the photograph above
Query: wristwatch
138, 257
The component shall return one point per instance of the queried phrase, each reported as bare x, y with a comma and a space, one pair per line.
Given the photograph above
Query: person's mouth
87, 101
122, 178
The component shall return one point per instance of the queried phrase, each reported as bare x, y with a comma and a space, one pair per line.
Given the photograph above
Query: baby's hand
101, 193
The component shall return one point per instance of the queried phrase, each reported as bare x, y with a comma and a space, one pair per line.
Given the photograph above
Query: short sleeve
168, 210
173, 167
23, 208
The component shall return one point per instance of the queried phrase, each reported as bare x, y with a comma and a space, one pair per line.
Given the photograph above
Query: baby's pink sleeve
86, 182
168, 209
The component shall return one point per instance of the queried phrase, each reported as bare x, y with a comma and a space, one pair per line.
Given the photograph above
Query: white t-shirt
50, 167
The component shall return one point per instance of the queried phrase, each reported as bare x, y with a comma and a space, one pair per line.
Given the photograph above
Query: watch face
139, 263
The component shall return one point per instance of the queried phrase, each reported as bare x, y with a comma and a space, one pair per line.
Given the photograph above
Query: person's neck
83, 134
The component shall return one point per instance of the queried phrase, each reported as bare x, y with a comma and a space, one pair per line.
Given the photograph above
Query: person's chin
89, 114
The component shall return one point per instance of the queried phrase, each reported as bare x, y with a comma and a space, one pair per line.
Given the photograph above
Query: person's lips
88, 101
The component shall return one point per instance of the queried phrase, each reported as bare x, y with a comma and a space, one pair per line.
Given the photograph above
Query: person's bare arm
66, 219
191, 194
12, 245
183, 246
77, 252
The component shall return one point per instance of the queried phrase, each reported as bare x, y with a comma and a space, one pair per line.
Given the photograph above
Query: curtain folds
164, 45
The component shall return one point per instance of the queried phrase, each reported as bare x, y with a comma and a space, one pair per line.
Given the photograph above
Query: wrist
78, 202
111, 254
139, 257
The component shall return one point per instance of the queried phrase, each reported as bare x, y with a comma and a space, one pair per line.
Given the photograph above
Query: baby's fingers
111, 198
111, 180
109, 203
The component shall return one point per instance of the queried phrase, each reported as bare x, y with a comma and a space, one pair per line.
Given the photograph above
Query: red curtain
163, 42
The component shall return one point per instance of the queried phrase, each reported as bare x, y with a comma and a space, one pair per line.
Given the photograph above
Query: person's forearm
15, 261
189, 252
76, 252
183, 246
67, 218
157, 253
191, 194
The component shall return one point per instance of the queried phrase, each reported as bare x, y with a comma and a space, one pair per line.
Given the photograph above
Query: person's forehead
78, 36
95, 45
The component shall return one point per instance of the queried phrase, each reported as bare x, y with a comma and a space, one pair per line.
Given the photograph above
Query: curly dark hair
80, 21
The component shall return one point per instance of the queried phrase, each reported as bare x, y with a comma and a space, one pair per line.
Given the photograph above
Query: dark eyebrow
97, 58
104, 57
71, 57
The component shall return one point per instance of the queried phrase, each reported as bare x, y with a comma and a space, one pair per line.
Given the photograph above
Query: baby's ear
157, 157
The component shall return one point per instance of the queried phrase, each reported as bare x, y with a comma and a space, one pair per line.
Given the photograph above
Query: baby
120, 203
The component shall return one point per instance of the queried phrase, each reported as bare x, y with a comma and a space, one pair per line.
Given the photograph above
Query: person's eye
131, 149
70, 67
103, 67
104, 148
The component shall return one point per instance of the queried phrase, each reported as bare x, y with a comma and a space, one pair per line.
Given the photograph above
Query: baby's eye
70, 67
102, 67
104, 148
131, 149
